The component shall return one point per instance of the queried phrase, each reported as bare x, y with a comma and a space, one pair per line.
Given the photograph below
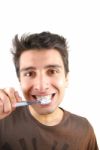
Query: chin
46, 112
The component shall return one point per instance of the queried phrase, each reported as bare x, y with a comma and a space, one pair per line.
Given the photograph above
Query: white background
79, 22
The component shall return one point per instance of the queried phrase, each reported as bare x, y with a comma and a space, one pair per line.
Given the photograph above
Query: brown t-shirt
20, 131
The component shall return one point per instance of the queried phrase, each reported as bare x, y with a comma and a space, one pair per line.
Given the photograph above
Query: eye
29, 74
52, 71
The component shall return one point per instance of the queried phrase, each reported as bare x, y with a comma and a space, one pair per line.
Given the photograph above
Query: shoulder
81, 129
77, 122
80, 124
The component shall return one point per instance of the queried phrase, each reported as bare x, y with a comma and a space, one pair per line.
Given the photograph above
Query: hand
8, 99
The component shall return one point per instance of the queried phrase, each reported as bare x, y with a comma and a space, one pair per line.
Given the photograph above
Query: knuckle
1, 104
7, 109
10, 93
9, 90
3, 95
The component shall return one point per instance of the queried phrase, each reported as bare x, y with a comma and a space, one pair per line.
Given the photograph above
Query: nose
41, 83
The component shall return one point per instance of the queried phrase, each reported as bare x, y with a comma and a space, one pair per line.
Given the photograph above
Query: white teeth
44, 99
40, 97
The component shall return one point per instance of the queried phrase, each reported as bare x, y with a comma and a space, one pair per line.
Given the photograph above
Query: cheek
24, 86
60, 83
25, 90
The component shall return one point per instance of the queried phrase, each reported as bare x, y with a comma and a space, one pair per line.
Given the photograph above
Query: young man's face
42, 75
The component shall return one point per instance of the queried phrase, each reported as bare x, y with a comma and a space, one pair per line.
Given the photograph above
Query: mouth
44, 99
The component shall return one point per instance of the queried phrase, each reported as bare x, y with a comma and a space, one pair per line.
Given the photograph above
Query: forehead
39, 58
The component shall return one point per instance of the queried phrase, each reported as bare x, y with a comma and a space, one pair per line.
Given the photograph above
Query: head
39, 41
41, 62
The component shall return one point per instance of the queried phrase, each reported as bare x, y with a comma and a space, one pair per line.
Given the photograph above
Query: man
41, 63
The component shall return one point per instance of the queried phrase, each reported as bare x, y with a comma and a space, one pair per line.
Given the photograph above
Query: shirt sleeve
92, 142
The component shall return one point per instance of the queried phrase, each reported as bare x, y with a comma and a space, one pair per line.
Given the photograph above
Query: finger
11, 94
5, 105
1, 106
18, 97
2, 113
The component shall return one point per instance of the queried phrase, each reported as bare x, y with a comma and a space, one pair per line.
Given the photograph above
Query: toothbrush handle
26, 103
23, 103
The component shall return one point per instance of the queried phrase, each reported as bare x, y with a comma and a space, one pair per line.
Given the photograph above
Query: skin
41, 73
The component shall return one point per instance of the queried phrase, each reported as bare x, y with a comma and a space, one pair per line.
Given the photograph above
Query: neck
51, 119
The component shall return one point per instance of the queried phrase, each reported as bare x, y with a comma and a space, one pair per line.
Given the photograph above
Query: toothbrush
26, 103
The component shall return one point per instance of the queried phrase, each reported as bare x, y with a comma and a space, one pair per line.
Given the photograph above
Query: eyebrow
34, 68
